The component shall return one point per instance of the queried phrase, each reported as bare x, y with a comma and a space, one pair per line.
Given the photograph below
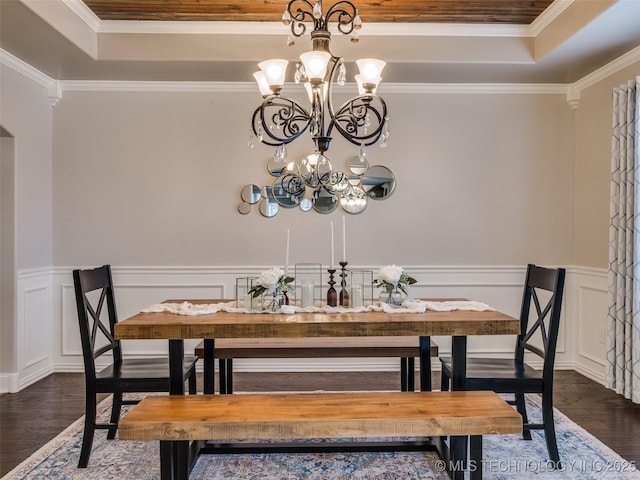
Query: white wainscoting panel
34, 346
138, 287
48, 338
590, 293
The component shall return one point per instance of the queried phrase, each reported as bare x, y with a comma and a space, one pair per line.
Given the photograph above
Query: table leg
209, 366
425, 364
459, 363
176, 362
179, 451
458, 382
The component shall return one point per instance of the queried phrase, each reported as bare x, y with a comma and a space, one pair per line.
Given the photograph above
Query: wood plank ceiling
437, 11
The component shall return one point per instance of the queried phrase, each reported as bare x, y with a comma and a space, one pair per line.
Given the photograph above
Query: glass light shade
263, 85
315, 64
370, 70
370, 89
274, 71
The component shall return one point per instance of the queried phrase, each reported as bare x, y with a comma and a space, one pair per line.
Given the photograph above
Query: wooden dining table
458, 324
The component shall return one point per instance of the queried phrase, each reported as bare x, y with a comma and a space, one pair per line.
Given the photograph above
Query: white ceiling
66, 41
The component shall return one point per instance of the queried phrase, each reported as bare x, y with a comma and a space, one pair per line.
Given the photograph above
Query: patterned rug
505, 457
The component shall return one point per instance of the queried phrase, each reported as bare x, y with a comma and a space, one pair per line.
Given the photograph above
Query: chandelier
279, 120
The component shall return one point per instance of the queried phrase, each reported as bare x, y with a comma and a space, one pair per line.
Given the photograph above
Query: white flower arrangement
393, 278
272, 280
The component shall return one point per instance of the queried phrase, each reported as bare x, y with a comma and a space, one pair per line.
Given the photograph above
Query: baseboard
590, 374
34, 377
9, 383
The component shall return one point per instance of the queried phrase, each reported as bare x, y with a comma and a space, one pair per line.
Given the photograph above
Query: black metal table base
178, 458
317, 447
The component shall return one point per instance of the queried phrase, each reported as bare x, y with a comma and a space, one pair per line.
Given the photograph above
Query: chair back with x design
547, 318
96, 325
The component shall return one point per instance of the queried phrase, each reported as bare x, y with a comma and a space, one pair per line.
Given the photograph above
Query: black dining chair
93, 287
513, 375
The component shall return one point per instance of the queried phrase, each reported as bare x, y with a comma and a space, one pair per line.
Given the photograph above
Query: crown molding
23, 68
84, 13
609, 69
249, 87
547, 17
150, 86
476, 88
276, 28
574, 92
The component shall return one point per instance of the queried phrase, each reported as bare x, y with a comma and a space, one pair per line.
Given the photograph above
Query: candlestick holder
344, 293
332, 295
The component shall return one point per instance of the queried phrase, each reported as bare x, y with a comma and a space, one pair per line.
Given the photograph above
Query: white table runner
413, 306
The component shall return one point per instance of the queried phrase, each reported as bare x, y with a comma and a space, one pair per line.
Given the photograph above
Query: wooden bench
405, 348
176, 420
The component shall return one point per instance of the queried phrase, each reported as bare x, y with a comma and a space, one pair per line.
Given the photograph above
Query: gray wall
26, 115
593, 167
153, 178
26, 223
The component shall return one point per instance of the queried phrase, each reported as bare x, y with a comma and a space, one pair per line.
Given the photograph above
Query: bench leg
404, 376
174, 460
222, 374
411, 373
225, 370
230, 375
475, 457
457, 456
166, 460
407, 374
458, 463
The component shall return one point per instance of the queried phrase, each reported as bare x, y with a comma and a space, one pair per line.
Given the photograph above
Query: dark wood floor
32, 417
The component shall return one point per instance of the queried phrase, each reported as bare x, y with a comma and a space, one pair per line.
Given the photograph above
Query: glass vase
393, 298
274, 300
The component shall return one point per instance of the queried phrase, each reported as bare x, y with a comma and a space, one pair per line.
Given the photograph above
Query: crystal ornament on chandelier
280, 120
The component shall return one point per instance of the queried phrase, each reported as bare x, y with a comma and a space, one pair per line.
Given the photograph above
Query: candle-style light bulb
344, 240
332, 261
286, 256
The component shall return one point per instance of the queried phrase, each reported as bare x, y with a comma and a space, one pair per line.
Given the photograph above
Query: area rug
505, 457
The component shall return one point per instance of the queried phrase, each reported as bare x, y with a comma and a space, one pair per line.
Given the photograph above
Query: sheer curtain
623, 335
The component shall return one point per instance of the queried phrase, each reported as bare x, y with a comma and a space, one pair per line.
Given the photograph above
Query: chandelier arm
359, 141
353, 114
285, 113
346, 13
261, 128
337, 61
299, 15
